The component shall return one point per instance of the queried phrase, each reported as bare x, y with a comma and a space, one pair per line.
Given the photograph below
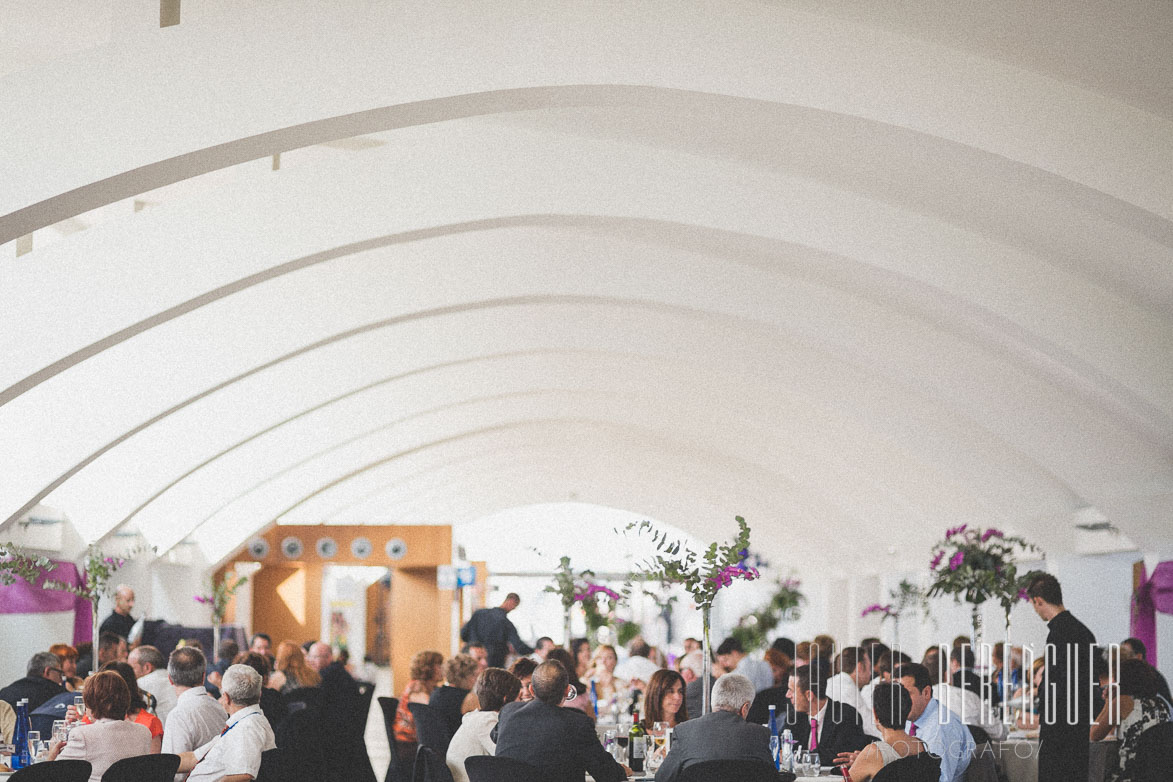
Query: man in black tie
1067, 685
818, 723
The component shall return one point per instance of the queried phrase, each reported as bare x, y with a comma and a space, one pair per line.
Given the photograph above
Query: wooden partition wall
287, 590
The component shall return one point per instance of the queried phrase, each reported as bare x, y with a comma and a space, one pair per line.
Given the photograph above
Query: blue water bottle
20, 736
595, 699
775, 744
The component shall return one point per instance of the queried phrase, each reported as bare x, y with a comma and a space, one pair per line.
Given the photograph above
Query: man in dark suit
491, 628
838, 726
1064, 744
561, 742
759, 712
42, 681
722, 734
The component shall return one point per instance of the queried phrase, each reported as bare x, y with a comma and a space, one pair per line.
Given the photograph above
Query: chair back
143, 768
914, 768
430, 765
1154, 754
430, 729
280, 765
395, 772
487, 768
301, 734
310, 696
740, 770
56, 771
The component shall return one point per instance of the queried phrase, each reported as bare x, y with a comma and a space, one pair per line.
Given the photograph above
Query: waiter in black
1067, 685
491, 628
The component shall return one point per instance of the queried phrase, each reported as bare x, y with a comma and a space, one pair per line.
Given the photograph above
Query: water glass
60, 733
810, 764
775, 750
34, 744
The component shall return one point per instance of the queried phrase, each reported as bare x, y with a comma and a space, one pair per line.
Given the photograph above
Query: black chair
430, 728
729, 771
487, 768
395, 771
301, 734
280, 765
982, 765
143, 768
1154, 754
55, 771
915, 768
430, 765
310, 696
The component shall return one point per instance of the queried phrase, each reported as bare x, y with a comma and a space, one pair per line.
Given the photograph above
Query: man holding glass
561, 742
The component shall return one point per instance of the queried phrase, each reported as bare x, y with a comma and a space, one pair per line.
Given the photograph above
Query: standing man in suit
560, 741
722, 734
837, 726
1067, 685
491, 628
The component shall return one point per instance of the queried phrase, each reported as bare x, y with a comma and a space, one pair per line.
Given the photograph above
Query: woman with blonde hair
602, 673
292, 671
425, 677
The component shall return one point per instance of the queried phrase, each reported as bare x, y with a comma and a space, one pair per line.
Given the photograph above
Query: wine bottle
636, 748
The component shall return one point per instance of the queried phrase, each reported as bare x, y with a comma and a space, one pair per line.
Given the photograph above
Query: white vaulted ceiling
851, 270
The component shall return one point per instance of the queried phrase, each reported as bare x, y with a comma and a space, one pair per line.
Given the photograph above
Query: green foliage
99, 569
222, 591
753, 629
701, 574
15, 563
625, 632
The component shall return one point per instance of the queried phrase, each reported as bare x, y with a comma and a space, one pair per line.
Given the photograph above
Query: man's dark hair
228, 650
812, 678
849, 657
784, 645
962, 655
495, 687
260, 635
108, 641
523, 667
1137, 646
1047, 587
513, 596
538, 643
1138, 679
892, 705
639, 648
730, 645
549, 683
1100, 669
186, 666
915, 671
255, 660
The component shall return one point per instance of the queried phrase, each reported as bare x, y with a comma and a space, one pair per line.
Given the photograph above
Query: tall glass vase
706, 664
976, 617
94, 627
566, 628
215, 641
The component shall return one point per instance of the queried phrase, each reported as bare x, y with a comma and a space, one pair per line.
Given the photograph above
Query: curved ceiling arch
832, 64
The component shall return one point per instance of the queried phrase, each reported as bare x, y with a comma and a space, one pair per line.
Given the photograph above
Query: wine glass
79, 703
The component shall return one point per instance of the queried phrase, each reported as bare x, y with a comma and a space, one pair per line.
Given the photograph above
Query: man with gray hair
42, 681
197, 718
150, 669
721, 735
234, 755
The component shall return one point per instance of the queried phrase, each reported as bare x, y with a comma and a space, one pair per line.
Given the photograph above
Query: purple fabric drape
1155, 594
22, 597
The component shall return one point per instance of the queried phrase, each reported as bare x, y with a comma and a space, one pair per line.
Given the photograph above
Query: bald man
120, 622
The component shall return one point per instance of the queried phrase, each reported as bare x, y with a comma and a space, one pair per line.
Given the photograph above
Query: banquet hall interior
387, 306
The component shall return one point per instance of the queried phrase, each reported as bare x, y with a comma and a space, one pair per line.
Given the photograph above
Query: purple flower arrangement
878, 608
974, 565
703, 575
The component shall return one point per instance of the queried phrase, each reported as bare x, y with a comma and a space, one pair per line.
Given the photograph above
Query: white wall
26, 634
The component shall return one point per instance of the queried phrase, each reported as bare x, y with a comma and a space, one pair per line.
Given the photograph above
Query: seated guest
523, 669
780, 665
722, 734
580, 652
582, 697
836, 726
110, 737
262, 644
966, 704
892, 705
961, 670
733, 658
638, 668
561, 742
197, 717
759, 712
111, 648
1130, 649
541, 647
234, 755
664, 700
42, 680
426, 675
451, 700
293, 672
479, 653
1007, 670
68, 657
852, 670
227, 651
602, 673
1140, 708
151, 669
494, 688
940, 730
692, 671
272, 703
137, 710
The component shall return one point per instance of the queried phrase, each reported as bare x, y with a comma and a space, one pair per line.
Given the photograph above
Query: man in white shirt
940, 729
151, 671
197, 718
637, 668
234, 755
542, 647
733, 659
855, 671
